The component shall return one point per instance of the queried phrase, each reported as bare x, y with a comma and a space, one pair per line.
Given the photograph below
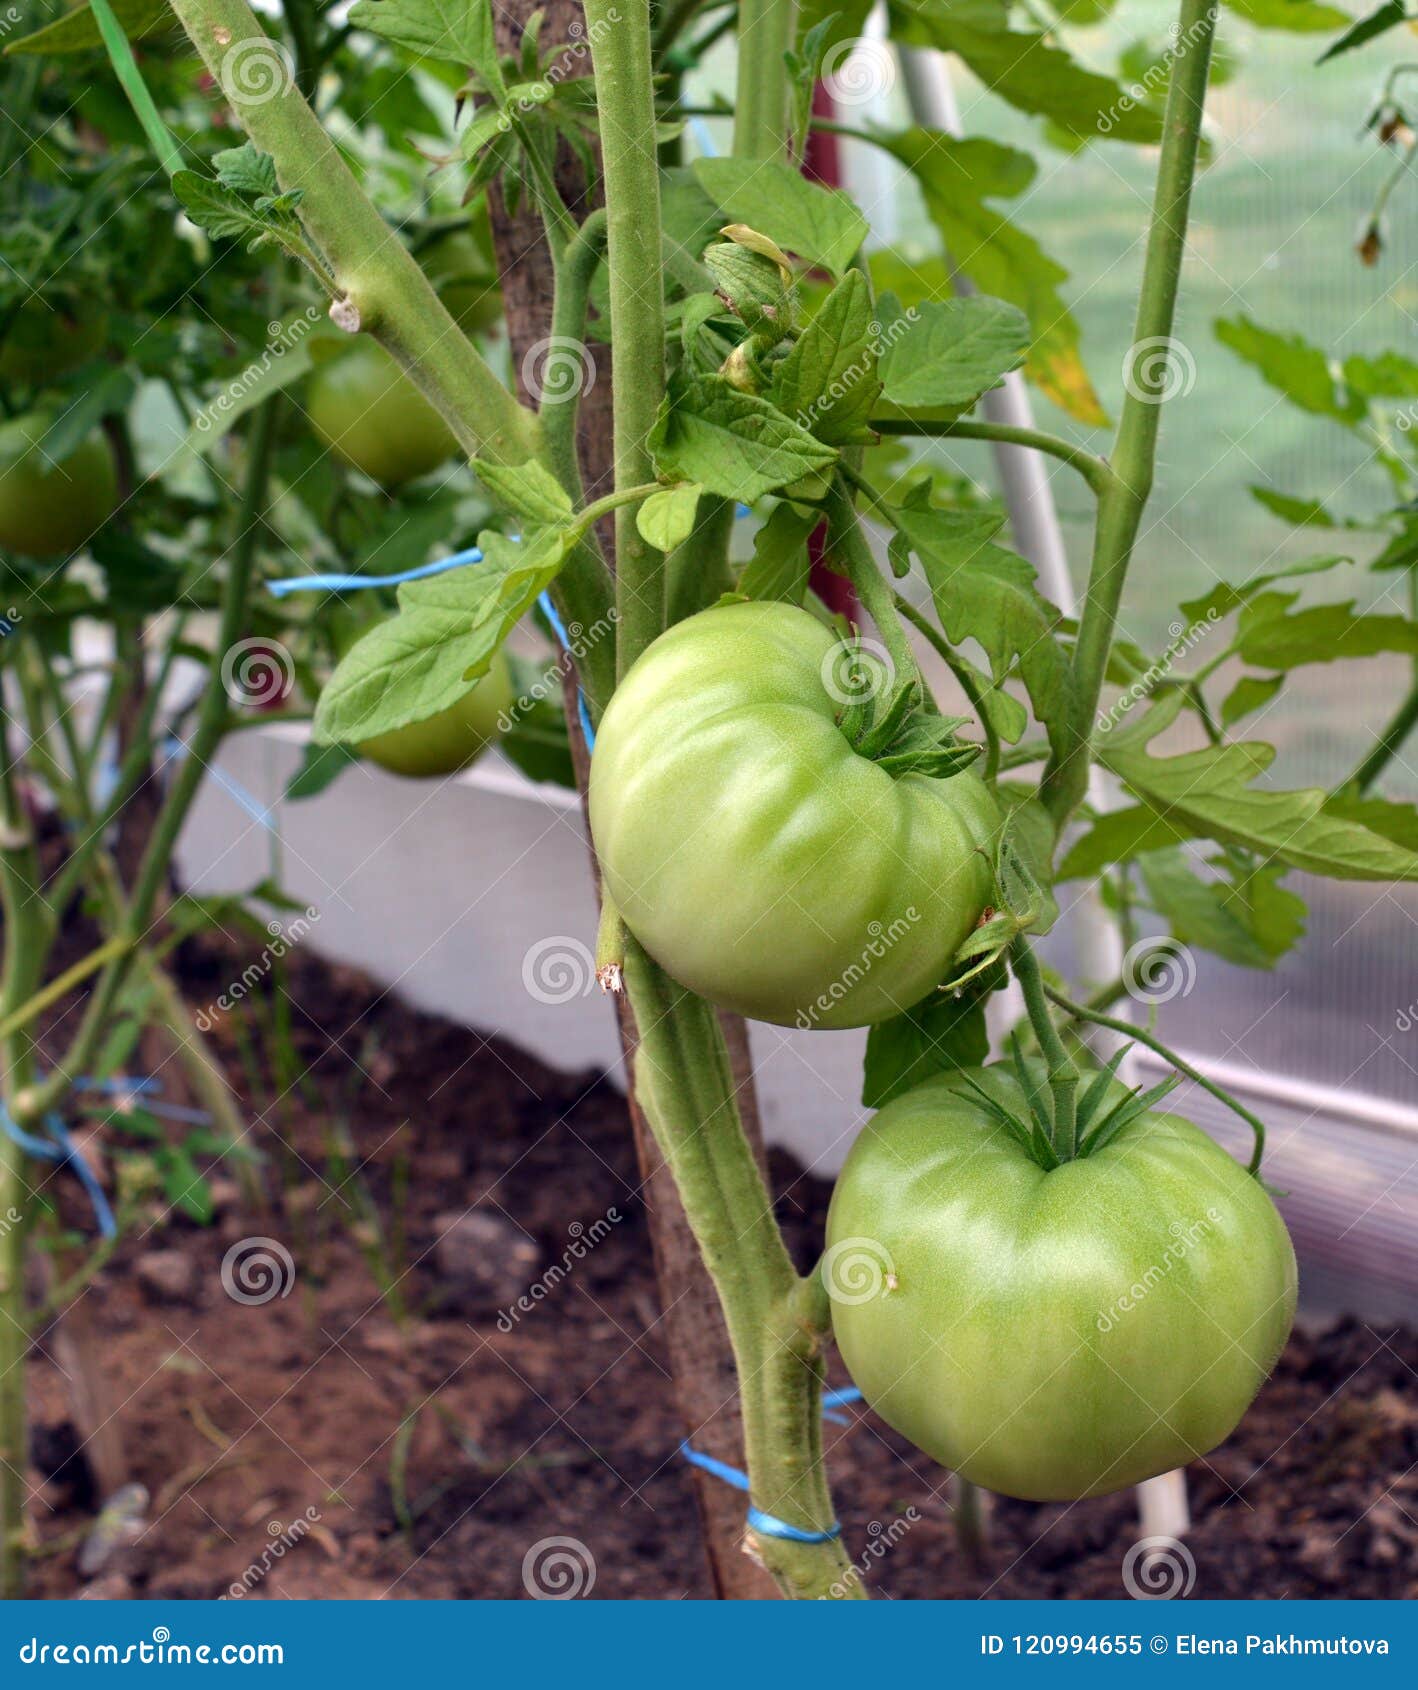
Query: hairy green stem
1085, 1012
968, 684
1387, 745
575, 269
765, 33
625, 99
1094, 470
373, 274
685, 1086
1063, 1076
1121, 503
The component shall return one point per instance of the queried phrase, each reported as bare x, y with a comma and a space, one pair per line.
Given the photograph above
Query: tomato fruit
366, 409
38, 343
465, 282
49, 508
755, 854
1052, 1335
451, 740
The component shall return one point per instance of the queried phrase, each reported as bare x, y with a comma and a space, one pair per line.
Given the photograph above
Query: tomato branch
765, 34
1063, 1075
1094, 470
1121, 504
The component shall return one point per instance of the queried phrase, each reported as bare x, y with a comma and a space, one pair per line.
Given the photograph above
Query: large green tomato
755, 854
1052, 1335
366, 409
48, 508
39, 344
449, 741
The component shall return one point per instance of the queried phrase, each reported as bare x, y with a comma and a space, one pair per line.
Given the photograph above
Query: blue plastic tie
177, 749
59, 1150
836, 1399
769, 1524
548, 609
353, 583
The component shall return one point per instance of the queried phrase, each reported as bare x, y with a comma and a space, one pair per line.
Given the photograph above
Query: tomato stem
1063, 1075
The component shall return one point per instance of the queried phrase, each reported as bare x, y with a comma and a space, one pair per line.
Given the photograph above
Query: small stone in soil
482, 1261
166, 1276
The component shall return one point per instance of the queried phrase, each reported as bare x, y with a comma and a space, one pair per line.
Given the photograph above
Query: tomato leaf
666, 520
528, 490
1323, 633
820, 225
945, 1030
734, 444
78, 32
986, 593
828, 382
320, 767
779, 567
448, 627
946, 353
1290, 364
457, 32
1251, 920
1304, 17
1250, 693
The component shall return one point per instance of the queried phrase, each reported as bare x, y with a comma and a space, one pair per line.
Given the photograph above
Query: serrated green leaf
529, 490
828, 382
1304, 513
779, 567
1324, 633
457, 32
1250, 693
1304, 17
1290, 364
1252, 922
1378, 22
666, 520
733, 444
946, 353
448, 627
821, 225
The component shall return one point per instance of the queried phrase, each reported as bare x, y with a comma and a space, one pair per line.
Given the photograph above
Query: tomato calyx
901, 737
1035, 1130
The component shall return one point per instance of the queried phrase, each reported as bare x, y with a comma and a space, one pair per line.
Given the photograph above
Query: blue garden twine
60, 1151
769, 1524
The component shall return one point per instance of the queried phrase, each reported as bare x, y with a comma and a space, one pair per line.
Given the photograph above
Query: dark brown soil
428, 1451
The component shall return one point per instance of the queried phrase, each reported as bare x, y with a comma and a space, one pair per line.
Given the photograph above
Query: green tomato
366, 409
49, 509
449, 741
465, 282
754, 853
1052, 1335
39, 344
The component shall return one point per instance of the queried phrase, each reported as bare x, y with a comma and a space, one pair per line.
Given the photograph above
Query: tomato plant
50, 506
750, 845
1053, 1330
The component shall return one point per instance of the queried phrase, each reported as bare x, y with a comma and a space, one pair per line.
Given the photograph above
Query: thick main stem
685, 1088
625, 100
1123, 500
765, 33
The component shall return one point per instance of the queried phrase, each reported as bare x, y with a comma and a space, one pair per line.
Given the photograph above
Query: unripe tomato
1052, 1335
757, 856
451, 740
48, 508
40, 343
465, 282
366, 409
